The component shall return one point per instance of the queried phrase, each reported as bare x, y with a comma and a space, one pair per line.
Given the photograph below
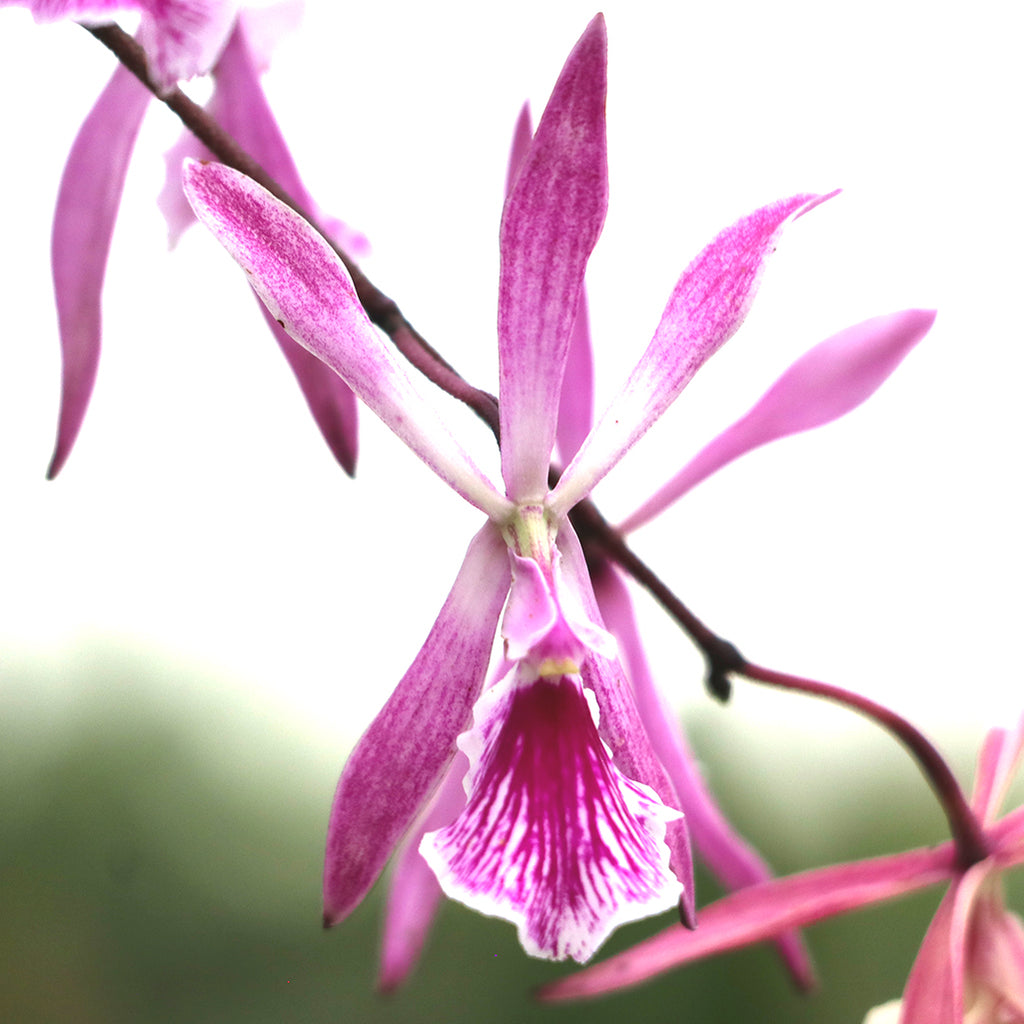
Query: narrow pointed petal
998, 955
576, 402
240, 106
83, 223
307, 288
553, 837
826, 382
620, 724
414, 893
183, 38
522, 137
551, 222
998, 762
934, 992
402, 757
761, 912
706, 308
732, 860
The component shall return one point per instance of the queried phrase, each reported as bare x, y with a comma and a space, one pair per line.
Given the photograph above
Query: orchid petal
761, 912
620, 724
733, 861
998, 762
706, 308
553, 836
522, 138
998, 954
307, 288
265, 26
551, 221
576, 402
401, 758
241, 107
826, 382
414, 893
183, 38
1008, 836
83, 223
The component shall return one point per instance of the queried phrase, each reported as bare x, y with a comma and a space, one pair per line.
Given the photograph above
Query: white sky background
201, 517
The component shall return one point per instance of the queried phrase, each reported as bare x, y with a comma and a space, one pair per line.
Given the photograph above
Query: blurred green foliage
162, 866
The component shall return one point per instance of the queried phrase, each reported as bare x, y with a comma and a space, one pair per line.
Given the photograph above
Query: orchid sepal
374, 805
706, 308
551, 221
308, 290
826, 382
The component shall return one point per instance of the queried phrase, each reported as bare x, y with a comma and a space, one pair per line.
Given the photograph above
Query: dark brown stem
598, 536
382, 310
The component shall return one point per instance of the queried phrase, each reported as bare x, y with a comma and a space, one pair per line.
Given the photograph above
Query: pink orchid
181, 38
828, 381
970, 969
571, 823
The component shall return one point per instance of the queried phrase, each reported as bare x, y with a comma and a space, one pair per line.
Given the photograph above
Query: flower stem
724, 659
967, 834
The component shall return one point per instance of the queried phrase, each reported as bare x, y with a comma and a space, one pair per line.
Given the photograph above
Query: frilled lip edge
553, 838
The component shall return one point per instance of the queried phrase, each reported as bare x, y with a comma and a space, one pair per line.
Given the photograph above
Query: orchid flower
970, 969
824, 384
181, 38
571, 824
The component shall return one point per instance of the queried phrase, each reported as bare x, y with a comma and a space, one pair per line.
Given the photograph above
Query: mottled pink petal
183, 38
733, 861
87, 203
551, 222
522, 137
706, 308
620, 724
402, 757
827, 382
414, 893
576, 402
553, 837
762, 912
308, 289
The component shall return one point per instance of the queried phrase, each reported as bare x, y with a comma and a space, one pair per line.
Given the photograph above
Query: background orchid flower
971, 966
566, 847
181, 38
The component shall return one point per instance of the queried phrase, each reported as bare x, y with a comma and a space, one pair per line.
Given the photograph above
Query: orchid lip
553, 837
